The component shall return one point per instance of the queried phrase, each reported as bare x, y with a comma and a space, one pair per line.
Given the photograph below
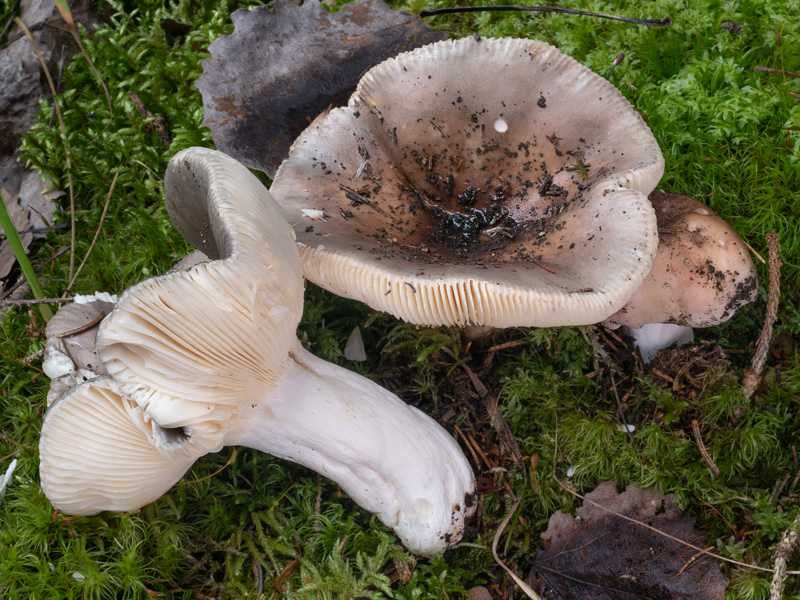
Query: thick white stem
391, 458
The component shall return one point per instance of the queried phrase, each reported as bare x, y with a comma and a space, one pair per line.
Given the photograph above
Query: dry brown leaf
604, 557
72, 332
278, 70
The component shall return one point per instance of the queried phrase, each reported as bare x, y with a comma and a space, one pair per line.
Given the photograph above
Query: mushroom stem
391, 458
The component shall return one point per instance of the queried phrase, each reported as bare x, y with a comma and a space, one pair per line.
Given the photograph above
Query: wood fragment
357, 198
775, 71
783, 553
702, 447
475, 458
151, 122
752, 376
34, 302
82, 328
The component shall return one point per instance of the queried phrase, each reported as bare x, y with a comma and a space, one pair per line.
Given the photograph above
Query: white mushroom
208, 357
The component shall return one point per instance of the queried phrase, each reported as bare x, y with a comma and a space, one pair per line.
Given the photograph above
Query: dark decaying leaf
604, 557
278, 70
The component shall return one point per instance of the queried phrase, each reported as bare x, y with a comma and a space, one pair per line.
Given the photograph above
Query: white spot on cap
500, 125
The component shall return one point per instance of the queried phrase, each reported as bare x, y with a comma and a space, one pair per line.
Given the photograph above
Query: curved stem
391, 458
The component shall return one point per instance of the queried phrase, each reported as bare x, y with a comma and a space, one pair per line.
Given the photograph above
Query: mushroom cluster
477, 182
208, 357
473, 182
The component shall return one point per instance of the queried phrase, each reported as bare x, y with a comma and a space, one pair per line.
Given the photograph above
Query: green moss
729, 135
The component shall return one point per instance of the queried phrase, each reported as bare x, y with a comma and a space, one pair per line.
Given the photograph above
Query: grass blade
19, 251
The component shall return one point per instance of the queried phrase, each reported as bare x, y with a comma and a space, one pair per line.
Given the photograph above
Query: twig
665, 22
66, 14
776, 71
752, 376
151, 121
61, 64
702, 447
63, 129
37, 230
622, 412
4, 303
97, 232
357, 198
82, 328
783, 553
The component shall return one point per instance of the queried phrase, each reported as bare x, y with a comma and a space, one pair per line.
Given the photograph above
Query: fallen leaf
278, 70
605, 557
70, 336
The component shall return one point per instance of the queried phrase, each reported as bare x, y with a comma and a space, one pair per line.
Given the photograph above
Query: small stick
469, 446
783, 553
96, 233
776, 492
702, 447
4, 303
776, 71
665, 22
10, 20
621, 412
752, 376
354, 196
82, 328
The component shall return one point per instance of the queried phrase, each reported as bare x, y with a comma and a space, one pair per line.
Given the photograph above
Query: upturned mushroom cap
702, 274
99, 451
492, 182
208, 357
188, 346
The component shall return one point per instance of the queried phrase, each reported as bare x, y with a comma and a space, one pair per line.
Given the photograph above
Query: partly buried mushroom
208, 357
477, 182
701, 276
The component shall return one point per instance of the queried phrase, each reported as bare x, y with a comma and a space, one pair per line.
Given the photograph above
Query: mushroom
701, 276
208, 357
487, 182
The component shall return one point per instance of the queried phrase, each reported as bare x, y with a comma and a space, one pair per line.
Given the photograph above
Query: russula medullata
208, 357
701, 276
477, 182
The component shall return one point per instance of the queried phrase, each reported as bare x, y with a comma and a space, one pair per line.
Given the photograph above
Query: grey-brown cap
702, 274
493, 182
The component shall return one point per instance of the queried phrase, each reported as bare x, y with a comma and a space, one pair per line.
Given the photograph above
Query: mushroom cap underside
494, 182
98, 452
189, 345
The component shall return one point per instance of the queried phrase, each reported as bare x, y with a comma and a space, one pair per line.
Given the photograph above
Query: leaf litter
281, 68
601, 555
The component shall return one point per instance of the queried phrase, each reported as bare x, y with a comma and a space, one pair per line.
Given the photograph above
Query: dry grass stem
752, 376
97, 232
